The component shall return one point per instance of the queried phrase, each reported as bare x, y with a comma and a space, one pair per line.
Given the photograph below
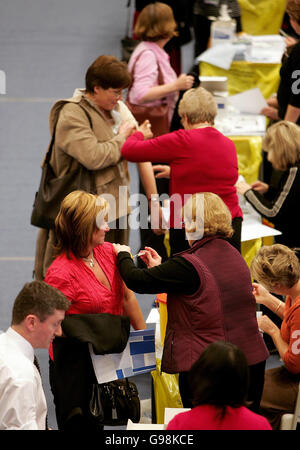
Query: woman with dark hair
90, 129
219, 382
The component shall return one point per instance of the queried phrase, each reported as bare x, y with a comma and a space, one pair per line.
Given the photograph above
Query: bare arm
183, 82
292, 114
132, 309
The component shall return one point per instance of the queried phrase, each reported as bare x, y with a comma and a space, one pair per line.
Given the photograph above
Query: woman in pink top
155, 26
277, 268
219, 381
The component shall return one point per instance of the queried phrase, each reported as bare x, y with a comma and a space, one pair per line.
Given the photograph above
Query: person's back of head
275, 265
155, 22
198, 105
205, 214
220, 377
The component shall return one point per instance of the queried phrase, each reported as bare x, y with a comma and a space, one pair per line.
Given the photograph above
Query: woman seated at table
200, 157
219, 382
277, 269
85, 269
279, 204
209, 294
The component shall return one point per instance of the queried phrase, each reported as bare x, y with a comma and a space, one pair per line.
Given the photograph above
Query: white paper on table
248, 102
252, 228
138, 357
266, 49
220, 55
241, 124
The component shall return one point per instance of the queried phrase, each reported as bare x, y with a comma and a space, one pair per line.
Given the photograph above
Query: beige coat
98, 148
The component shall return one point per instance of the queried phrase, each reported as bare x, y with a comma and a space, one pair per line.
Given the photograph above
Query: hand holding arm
121, 248
126, 129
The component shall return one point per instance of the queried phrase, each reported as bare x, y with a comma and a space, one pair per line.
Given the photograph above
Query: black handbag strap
160, 78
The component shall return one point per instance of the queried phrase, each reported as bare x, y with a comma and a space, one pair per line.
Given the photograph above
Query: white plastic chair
289, 421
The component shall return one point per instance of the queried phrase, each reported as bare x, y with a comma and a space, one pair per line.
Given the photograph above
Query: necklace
90, 260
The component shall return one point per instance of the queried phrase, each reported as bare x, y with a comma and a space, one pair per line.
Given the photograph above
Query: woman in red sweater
201, 160
277, 268
219, 381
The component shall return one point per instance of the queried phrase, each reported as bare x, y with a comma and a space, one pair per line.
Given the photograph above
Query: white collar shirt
22, 399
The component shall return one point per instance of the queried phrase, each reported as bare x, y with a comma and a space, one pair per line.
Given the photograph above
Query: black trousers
256, 385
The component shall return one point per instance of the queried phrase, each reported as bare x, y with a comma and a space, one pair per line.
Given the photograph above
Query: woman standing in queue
155, 83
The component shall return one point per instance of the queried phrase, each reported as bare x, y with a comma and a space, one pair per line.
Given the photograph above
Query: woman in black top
279, 204
286, 106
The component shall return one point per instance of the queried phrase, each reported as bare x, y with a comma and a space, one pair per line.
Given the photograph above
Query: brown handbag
157, 115
53, 190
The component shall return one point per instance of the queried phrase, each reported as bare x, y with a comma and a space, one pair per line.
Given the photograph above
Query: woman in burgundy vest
209, 294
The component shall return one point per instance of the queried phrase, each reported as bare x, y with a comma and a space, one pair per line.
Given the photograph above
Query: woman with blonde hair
279, 204
209, 294
200, 157
277, 269
85, 271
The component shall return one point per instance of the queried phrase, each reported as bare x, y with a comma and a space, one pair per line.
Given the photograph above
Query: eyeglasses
116, 92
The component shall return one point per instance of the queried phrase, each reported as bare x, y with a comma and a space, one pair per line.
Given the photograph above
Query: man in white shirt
36, 319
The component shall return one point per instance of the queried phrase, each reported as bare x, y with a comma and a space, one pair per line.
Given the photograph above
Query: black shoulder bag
53, 190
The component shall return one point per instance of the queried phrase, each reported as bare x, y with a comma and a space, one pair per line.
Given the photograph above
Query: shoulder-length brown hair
76, 222
155, 22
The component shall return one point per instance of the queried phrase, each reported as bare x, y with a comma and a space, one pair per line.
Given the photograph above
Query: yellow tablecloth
249, 154
262, 16
244, 75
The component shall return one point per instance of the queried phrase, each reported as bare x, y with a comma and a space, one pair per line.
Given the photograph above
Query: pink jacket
146, 73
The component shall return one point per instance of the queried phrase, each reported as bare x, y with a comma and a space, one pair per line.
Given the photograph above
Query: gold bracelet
279, 304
